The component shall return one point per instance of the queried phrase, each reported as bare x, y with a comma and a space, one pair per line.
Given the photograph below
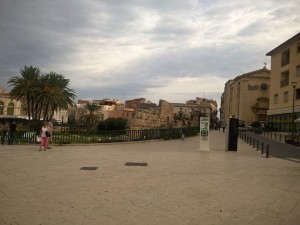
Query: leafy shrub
112, 124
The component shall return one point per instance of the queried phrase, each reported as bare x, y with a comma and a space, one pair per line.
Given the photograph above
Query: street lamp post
294, 84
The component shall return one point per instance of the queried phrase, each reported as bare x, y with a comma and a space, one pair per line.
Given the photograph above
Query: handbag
48, 133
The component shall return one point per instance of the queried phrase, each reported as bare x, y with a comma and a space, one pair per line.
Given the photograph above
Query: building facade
285, 85
246, 97
9, 108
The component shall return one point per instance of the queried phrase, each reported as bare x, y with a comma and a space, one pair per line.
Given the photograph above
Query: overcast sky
175, 50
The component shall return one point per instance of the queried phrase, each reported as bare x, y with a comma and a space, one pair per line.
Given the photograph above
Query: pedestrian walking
4, 132
12, 131
44, 133
223, 127
50, 130
182, 130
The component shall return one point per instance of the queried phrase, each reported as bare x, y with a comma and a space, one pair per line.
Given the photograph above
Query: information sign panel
204, 134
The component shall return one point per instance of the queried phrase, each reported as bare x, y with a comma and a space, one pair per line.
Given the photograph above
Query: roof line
283, 44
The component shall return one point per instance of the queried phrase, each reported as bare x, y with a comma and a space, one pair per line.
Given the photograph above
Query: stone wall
155, 117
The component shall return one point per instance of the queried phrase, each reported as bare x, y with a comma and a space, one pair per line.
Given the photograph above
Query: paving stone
180, 185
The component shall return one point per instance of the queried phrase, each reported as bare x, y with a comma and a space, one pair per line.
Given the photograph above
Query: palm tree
26, 87
55, 94
91, 119
44, 94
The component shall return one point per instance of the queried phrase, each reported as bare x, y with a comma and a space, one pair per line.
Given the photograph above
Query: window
286, 96
285, 78
276, 99
10, 109
297, 93
298, 71
285, 57
1, 108
263, 86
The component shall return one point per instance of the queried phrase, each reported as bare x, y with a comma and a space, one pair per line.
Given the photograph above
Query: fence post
262, 148
267, 151
253, 142
257, 145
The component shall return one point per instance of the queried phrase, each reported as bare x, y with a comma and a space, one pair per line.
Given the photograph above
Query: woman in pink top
44, 138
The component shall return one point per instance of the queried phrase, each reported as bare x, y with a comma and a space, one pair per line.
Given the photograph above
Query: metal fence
271, 147
68, 137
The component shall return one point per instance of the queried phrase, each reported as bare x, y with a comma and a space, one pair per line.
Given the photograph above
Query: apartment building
285, 85
246, 97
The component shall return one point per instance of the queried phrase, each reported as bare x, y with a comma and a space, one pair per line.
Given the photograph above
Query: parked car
246, 128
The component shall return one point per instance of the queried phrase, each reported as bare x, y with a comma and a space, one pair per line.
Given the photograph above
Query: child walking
44, 137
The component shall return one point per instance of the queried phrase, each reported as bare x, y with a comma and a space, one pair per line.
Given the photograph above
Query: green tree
91, 119
44, 94
26, 88
113, 124
55, 94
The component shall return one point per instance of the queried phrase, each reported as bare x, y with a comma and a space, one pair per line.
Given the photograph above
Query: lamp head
294, 84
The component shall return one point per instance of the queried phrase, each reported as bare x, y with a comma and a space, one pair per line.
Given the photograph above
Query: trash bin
232, 134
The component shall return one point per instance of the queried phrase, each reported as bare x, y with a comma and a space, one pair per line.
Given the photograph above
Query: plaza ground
179, 186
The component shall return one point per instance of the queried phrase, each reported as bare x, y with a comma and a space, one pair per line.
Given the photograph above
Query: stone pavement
180, 185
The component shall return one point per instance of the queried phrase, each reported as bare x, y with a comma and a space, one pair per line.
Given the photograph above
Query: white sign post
204, 134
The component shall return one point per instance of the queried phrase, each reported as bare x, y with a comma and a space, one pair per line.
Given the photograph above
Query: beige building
192, 110
9, 108
247, 97
285, 84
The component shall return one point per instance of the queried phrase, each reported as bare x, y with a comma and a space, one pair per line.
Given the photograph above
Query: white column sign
204, 134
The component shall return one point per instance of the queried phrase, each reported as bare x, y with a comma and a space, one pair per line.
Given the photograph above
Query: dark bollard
262, 148
257, 145
253, 142
250, 143
267, 151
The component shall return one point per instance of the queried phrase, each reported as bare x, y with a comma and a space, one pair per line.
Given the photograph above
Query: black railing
68, 137
270, 146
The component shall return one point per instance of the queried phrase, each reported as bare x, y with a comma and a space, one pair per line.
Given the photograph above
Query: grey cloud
170, 28
55, 35
157, 71
253, 29
218, 61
